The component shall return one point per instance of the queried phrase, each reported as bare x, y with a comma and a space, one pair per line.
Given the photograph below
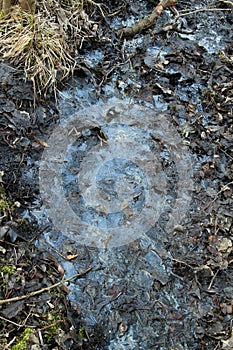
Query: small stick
222, 150
202, 10
16, 324
224, 188
148, 21
93, 3
212, 280
9, 344
38, 234
180, 261
50, 325
46, 289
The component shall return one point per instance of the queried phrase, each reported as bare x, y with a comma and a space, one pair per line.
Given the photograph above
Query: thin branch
227, 154
93, 3
147, 22
46, 289
224, 188
212, 280
9, 344
180, 261
50, 325
227, 2
202, 10
16, 324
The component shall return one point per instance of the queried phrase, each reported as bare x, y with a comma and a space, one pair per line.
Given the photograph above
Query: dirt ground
165, 290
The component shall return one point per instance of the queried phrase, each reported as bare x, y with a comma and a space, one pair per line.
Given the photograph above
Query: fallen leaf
42, 143
71, 256
13, 309
228, 344
224, 245
122, 329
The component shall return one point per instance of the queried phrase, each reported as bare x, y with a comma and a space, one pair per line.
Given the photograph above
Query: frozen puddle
116, 180
111, 171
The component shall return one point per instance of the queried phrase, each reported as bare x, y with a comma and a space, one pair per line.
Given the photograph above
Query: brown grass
43, 43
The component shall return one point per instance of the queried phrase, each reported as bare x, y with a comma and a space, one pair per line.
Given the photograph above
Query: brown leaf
60, 270
13, 309
224, 245
42, 143
71, 256
122, 329
228, 344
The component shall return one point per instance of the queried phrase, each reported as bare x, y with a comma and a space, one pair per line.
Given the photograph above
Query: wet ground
130, 173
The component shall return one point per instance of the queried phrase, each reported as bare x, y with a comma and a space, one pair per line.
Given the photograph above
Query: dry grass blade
39, 45
43, 43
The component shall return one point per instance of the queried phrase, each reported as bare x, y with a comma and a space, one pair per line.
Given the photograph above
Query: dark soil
164, 291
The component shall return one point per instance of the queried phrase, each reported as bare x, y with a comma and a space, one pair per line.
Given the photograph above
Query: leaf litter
158, 293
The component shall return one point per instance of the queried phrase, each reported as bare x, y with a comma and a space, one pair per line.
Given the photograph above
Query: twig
93, 3
108, 302
53, 249
40, 338
38, 234
115, 13
222, 150
147, 22
216, 229
50, 325
174, 24
202, 10
180, 261
9, 344
227, 2
46, 289
16, 324
212, 280
217, 346
224, 188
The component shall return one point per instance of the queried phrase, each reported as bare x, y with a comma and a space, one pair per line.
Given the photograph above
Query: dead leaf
71, 256
60, 270
228, 344
122, 329
65, 289
224, 245
42, 143
13, 309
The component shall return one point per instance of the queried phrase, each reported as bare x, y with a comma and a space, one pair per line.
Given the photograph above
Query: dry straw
44, 39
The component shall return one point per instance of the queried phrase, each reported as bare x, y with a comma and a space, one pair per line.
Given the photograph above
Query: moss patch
22, 343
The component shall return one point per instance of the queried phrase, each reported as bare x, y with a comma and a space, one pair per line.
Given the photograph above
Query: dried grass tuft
43, 43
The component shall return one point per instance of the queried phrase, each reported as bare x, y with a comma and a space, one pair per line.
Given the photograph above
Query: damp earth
126, 175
